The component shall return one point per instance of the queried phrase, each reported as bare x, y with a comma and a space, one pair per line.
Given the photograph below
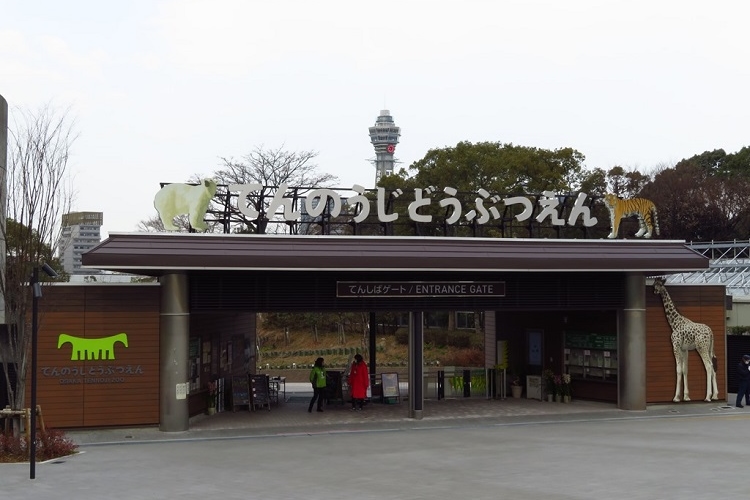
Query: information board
390, 385
577, 340
240, 391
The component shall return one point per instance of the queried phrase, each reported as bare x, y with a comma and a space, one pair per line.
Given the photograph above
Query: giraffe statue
686, 336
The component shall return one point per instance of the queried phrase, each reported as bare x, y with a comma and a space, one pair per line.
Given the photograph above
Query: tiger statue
642, 208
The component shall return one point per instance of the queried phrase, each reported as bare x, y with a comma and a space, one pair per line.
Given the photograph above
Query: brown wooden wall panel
701, 304
61, 298
99, 392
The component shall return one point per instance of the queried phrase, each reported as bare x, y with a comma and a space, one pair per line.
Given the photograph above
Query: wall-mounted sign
84, 350
91, 374
535, 343
420, 289
580, 340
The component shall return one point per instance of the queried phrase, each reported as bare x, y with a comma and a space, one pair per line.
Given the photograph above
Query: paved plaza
464, 448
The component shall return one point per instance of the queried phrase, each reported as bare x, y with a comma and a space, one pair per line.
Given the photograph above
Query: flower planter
558, 398
550, 398
516, 390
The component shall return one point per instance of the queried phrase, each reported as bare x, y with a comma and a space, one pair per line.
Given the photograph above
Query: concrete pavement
463, 448
291, 416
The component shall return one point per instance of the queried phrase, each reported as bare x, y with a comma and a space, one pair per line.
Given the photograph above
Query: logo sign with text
93, 357
420, 289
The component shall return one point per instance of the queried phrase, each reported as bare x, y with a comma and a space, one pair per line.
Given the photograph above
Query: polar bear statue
177, 199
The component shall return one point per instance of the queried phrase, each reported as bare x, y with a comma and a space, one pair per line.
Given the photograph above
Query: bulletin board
240, 392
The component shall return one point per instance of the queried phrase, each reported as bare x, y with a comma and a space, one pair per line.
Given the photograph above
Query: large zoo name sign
317, 199
194, 200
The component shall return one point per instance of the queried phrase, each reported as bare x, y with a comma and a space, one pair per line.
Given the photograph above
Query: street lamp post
36, 294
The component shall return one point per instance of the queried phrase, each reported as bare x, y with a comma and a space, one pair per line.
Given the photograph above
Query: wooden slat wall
130, 395
702, 304
62, 404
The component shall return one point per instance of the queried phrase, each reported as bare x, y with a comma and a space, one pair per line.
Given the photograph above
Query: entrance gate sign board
420, 289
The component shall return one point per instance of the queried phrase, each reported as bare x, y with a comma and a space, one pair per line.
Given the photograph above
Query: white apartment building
80, 233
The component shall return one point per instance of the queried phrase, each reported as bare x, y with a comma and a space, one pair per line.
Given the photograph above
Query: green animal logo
103, 348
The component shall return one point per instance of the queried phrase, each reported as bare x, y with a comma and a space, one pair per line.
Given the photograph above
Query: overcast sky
161, 89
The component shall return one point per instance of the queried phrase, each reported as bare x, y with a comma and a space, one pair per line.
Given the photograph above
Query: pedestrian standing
359, 381
743, 371
318, 381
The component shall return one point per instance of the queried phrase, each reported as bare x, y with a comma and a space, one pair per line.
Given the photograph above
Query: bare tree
154, 224
39, 192
268, 167
272, 167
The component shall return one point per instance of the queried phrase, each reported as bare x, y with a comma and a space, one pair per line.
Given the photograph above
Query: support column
631, 345
490, 353
174, 335
416, 357
373, 348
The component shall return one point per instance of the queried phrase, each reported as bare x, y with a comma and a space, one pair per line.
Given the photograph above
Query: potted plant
565, 387
559, 388
211, 397
549, 385
515, 386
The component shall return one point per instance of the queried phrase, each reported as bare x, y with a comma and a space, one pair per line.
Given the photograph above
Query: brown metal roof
158, 253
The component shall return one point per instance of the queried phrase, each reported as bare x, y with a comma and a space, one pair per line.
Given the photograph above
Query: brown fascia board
158, 253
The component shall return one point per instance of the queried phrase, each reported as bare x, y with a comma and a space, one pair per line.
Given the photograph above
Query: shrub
50, 444
56, 444
738, 330
402, 337
465, 357
459, 339
12, 448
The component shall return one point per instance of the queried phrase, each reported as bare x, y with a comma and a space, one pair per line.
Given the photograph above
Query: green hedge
441, 338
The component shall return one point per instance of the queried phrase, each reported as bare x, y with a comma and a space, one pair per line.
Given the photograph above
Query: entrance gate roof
155, 254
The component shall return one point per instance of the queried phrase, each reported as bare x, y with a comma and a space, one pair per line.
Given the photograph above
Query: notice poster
390, 385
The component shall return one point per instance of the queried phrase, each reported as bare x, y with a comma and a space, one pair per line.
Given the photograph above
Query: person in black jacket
743, 372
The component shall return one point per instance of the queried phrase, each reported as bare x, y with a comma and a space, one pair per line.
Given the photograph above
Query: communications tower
384, 137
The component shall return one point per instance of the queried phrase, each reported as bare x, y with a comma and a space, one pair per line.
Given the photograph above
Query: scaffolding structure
729, 266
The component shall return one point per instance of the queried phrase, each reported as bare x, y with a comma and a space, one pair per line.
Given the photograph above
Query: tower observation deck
384, 137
